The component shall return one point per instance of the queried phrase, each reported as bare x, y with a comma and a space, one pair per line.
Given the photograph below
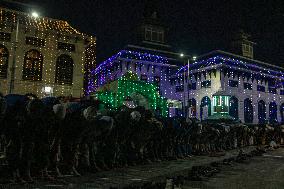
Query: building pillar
241, 110
255, 110
267, 110
278, 113
197, 109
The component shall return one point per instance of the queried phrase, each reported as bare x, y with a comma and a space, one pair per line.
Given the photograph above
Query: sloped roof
234, 61
132, 55
42, 23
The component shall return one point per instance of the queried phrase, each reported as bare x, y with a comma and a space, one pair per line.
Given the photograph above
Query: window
4, 56
272, 90
261, 88
248, 86
233, 83
281, 92
247, 48
206, 84
161, 36
154, 34
64, 70
144, 77
192, 86
32, 69
179, 88
148, 33
5, 36
37, 42
271, 83
66, 46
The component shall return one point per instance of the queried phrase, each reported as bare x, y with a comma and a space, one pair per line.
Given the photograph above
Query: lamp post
12, 82
188, 61
13, 68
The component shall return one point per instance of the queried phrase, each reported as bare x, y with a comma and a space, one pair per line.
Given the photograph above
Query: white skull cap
89, 113
135, 115
59, 110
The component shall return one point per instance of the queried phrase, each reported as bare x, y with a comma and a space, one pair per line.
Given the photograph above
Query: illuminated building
216, 83
43, 56
255, 89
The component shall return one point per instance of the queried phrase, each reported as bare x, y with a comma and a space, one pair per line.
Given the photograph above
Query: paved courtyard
131, 176
261, 172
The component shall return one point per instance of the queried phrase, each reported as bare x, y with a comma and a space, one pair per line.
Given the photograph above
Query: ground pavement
260, 172
131, 176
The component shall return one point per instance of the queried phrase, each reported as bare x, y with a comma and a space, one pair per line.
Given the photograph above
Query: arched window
261, 112
192, 107
205, 108
234, 107
4, 56
272, 112
248, 111
32, 69
282, 112
64, 70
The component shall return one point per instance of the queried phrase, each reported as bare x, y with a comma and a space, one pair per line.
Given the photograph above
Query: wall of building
149, 69
254, 95
221, 82
200, 92
50, 53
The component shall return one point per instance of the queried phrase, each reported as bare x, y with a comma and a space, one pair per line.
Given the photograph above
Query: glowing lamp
35, 14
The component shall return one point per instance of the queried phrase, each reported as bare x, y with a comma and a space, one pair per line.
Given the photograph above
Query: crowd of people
51, 137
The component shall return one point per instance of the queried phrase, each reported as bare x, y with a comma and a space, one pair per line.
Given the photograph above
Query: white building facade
255, 88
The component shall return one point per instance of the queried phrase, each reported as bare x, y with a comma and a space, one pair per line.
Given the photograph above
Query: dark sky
196, 27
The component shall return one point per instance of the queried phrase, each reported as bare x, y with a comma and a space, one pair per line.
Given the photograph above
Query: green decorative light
128, 85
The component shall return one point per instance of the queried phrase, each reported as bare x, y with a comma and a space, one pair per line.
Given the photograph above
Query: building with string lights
43, 56
228, 84
217, 85
150, 58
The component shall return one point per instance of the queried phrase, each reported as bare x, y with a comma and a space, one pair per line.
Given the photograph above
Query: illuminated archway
248, 111
273, 112
261, 112
117, 91
234, 107
282, 112
205, 108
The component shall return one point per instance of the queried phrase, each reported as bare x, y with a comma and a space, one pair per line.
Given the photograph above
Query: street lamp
13, 68
184, 110
188, 61
35, 14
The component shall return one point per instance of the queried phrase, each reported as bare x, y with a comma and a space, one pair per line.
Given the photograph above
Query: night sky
196, 27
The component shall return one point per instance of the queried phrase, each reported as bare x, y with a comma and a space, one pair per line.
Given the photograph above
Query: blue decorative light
234, 64
130, 55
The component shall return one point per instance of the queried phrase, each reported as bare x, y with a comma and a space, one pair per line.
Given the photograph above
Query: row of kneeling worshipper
52, 137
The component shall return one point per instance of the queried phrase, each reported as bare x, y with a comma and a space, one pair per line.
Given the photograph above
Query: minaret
151, 30
242, 45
